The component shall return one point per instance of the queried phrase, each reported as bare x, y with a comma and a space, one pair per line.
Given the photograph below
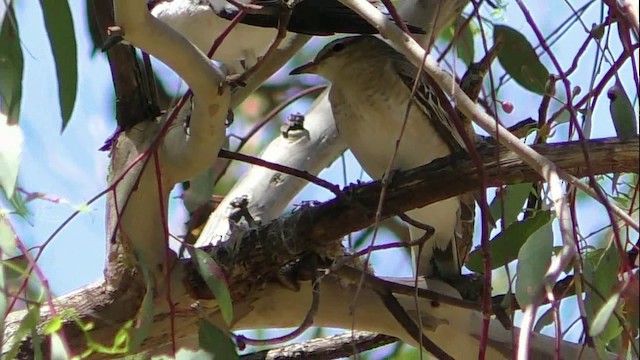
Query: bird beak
308, 68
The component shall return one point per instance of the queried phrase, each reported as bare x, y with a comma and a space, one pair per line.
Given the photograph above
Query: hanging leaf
11, 67
214, 278
622, 112
534, 259
215, 341
11, 143
59, 25
604, 314
545, 320
464, 46
29, 322
601, 272
519, 59
513, 197
505, 246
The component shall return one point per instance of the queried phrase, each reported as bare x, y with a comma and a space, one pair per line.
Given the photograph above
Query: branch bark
262, 303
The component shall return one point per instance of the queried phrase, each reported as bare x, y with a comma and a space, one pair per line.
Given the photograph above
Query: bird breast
370, 118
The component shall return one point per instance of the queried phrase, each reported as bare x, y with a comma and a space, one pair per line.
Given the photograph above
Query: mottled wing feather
310, 17
427, 101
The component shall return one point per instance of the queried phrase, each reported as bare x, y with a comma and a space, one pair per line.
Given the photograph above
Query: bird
370, 91
202, 21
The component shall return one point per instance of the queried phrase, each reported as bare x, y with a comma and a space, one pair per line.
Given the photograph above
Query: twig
335, 189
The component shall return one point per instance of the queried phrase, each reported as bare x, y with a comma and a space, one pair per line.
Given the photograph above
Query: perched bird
370, 92
202, 21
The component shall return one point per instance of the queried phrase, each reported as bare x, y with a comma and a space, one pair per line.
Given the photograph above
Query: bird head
341, 54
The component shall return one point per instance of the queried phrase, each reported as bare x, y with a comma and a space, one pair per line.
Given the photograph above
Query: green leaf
622, 112
54, 324
11, 67
463, 42
29, 322
186, 354
545, 320
505, 246
215, 341
534, 259
7, 237
519, 59
604, 314
215, 279
59, 24
58, 347
11, 144
601, 273
513, 197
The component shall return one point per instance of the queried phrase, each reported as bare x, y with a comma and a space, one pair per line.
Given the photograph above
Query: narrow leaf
622, 112
29, 322
463, 42
513, 198
11, 67
215, 341
505, 246
215, 279
59, 24
11, 144
519, 59
534, 259
545, 320
603, 315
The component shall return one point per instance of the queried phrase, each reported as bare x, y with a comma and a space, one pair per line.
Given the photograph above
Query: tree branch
261, 303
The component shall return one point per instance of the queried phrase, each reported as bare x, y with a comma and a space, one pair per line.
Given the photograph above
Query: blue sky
69, 166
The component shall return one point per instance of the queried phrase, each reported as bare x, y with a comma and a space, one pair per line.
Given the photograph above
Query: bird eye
338, 47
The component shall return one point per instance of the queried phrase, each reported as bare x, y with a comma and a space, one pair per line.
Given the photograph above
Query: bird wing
428, 102
426, 99
310, 17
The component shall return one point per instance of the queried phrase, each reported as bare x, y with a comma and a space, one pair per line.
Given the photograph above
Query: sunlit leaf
603, 315
216, 341
505, 246
11, 144
186, 354
533, 261
214, 277
519, 59
58, 347
11, 67
59, 25
29, 322
54, 324
622, 112
7, 237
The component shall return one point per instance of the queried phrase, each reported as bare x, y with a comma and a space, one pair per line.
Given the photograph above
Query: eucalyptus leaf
216, 341
519, 59
534, 259
505, 246
214, 277
11, 67
622, 112
59, 25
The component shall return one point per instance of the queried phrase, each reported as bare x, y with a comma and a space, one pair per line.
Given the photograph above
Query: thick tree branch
332, 347
259, 303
